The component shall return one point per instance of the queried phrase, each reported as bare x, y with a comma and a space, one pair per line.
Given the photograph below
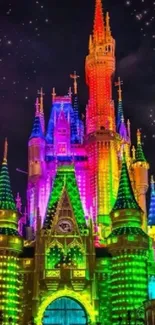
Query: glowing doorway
64, 311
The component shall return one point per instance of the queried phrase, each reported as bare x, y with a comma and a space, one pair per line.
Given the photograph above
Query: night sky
42, 42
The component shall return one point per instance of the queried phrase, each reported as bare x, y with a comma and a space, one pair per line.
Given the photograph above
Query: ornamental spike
138, 137
5, 151
99, 28
108, 30
41, 93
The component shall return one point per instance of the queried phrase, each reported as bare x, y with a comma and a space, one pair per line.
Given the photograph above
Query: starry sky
43, 41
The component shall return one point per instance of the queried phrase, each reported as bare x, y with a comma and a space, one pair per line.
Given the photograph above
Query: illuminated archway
83, 300
65, 310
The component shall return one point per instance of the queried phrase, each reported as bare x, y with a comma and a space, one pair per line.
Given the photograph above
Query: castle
84, 251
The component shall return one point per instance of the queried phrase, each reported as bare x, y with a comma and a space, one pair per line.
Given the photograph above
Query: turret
129, 247
10, 247
100, 66
36, 152
140, 175
151, 215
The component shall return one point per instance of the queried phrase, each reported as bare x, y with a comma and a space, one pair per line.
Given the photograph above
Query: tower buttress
140, 173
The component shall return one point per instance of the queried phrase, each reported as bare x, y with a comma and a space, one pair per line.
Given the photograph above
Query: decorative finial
18, 202
53, 93
99, 29
138, 137
90, 43
152, 183
108, 31
37, 106
42, 94
128, 128
74, 76
5, 151
133, 153
118, 84
70, 92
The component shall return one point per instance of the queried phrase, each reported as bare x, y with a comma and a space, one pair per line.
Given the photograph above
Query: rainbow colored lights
88, 249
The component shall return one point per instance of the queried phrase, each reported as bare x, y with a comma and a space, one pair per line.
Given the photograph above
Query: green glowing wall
103, 274
128, 283
10, 286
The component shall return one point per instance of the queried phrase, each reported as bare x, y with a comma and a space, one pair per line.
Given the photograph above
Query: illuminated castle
83, 253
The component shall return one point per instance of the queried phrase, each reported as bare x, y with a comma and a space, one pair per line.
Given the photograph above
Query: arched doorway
64, 311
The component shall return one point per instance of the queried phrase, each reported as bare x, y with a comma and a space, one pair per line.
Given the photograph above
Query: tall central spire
99, 28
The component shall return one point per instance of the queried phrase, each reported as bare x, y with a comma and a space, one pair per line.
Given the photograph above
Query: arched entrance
64, 311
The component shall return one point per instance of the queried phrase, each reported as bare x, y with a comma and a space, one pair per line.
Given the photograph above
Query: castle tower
140, 172
36, 169
10, 248
102, 143
129, 247
100, 66
151, 215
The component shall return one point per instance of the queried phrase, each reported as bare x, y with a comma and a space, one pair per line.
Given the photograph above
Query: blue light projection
65, 311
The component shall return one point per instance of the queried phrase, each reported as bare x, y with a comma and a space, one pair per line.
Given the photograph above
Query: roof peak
5, 155
99, 28
125, 197
139, 150
6, 196
65, 180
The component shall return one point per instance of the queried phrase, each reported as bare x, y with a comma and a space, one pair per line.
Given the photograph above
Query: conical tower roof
37, 131
99, 28
125, 197
65, 179
139, 150
6, 197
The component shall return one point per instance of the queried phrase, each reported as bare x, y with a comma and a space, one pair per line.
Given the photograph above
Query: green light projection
125, 197
10, 285
129, 283
140, 157
65, 178
73, 258
6, 196
103, 274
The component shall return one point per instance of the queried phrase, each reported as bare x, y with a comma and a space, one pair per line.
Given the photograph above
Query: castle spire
53, 94
37, 104
74, 76
121, 126
120, 113
41, 93
5, 151
6, 196
108, 30
41, 109
139, 150
37, 127
125, 197
99, 28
